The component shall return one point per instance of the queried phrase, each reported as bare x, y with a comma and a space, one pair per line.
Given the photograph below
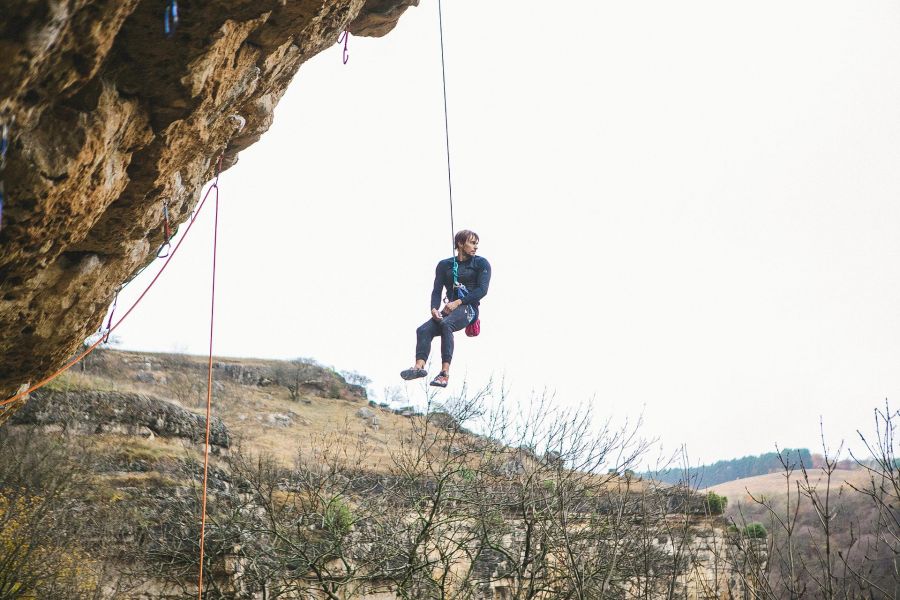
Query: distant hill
737, 468
773, 485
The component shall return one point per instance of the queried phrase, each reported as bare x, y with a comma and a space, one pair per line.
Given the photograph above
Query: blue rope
461, 289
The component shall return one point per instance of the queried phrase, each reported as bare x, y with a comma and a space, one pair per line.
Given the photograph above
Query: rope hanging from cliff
112, 328
446, 127
212, 312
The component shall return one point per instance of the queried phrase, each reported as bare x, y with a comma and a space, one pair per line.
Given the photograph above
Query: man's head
466, 242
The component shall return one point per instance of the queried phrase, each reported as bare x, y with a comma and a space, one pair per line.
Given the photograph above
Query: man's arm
438, 287
481, 288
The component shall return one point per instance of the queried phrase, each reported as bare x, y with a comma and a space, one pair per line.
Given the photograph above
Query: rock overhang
109, 119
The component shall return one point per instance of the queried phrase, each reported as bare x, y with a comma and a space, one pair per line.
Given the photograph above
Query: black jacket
474, 273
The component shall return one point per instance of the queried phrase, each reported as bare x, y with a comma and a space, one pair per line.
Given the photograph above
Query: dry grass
139, 480
262, 418
75, 380
773, 484
150, 450
314, 423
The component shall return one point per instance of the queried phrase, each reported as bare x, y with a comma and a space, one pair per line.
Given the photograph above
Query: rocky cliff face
93, 411
109, 120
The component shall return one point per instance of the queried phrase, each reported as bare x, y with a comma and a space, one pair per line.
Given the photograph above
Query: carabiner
345, 38
112, 311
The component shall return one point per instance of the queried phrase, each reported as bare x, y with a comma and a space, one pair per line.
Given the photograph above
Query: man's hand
450, 307
435, 314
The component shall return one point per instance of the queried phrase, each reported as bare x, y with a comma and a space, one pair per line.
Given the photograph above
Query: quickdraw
4, 144
344, 38
170, 20
4, 147
241, 123
163, 251
112, 311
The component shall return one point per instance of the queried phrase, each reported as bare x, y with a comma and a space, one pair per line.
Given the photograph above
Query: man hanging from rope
466, 278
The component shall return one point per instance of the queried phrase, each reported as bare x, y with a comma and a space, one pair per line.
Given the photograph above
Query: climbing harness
473, 328
163, 251
170, 20
344, 38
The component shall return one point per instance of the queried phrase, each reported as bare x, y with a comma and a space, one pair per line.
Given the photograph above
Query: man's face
470, 248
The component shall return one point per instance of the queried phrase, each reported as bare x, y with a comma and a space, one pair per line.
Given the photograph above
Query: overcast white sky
690, 208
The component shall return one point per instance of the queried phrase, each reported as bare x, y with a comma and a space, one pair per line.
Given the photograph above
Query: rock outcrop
93, 411
110, 120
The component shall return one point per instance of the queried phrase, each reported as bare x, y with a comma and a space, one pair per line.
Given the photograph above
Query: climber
466, 278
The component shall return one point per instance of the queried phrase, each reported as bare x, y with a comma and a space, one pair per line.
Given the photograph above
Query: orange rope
93, 346
212, 312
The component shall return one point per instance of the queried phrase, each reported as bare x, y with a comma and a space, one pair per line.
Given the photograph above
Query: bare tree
299, 373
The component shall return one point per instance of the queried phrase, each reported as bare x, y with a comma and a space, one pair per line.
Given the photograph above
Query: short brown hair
464, 236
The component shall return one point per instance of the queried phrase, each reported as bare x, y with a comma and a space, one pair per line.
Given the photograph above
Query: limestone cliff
110, 118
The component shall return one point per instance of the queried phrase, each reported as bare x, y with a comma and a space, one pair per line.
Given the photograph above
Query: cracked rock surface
93, 411
109, 119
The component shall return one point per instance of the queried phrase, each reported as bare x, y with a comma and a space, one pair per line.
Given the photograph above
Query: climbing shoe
413, 373
441, 379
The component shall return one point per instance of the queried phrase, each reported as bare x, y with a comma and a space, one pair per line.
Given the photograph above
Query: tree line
737, 468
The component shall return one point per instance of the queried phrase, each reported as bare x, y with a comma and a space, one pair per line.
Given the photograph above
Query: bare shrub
53, 536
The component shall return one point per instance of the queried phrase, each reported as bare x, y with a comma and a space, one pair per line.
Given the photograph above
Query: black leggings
430, 329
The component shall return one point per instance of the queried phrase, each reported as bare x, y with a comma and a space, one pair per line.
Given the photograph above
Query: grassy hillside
314, 492
774, 485
253, 399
